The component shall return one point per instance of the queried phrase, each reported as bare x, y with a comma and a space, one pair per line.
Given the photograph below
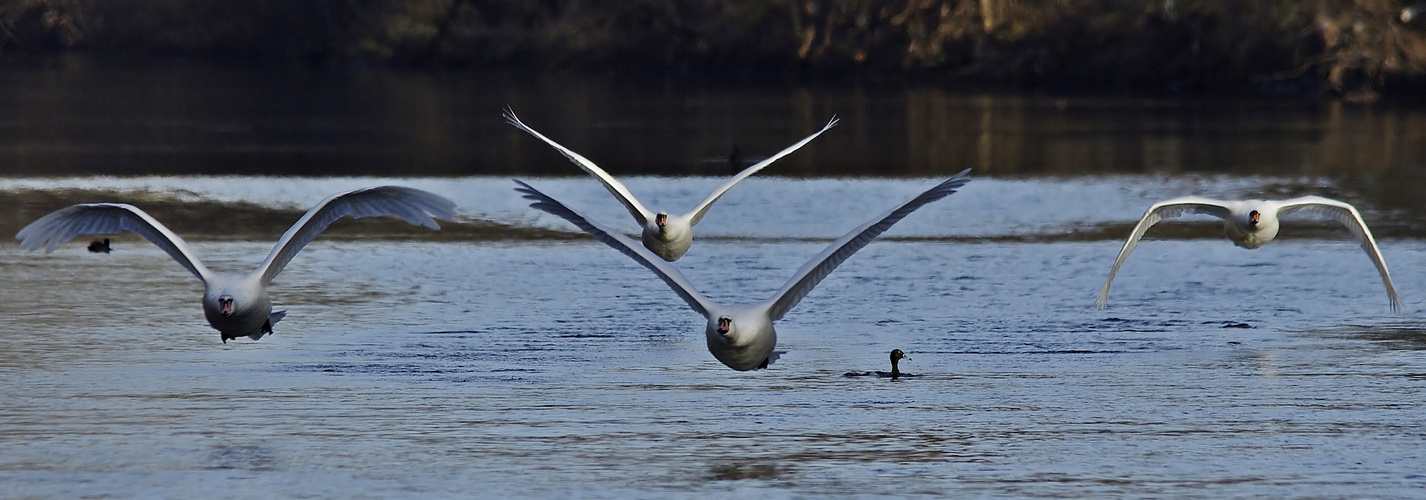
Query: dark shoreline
1356, 50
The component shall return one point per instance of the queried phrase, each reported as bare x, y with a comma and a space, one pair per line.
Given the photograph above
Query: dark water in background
97, 118
506, 362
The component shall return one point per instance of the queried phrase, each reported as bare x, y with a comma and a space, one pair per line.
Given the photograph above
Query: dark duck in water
100, 246
896, 355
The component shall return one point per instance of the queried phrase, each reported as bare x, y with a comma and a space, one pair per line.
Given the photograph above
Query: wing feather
414, 206
824, 263
1166, 209
665, 271
1350, 218
702, 208
67, 223
616, 188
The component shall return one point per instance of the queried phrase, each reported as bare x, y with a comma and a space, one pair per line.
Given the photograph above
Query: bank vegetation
1354, 48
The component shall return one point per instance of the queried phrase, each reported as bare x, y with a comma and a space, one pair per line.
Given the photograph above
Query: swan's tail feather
272, 319
771, 358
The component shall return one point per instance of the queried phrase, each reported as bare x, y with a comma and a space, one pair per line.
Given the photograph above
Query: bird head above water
895, 373
225, 305
725, 325
1253, 218
897, 355
661, 219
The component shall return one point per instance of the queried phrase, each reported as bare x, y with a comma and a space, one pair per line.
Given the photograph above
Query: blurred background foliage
1355, 48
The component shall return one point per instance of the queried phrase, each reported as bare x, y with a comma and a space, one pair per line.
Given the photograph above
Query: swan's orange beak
225, 306
723, 325
1253, 217
661, 220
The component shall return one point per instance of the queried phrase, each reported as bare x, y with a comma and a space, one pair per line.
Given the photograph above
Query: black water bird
896, 355
100, 246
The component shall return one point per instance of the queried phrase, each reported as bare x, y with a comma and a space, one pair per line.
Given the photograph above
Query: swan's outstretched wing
1166, 209
414, 206
65, 224
697, 213
615, 187
820, 266
1348, 215
624, 245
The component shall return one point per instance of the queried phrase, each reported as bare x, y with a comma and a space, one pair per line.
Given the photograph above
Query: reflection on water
1399, 336
95, 118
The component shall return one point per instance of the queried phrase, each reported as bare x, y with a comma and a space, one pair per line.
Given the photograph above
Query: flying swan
668, 236
1253, 223
742, 336
237, 305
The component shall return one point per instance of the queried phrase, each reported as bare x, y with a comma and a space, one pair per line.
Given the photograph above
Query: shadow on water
1390, 335
736, 471
253, 458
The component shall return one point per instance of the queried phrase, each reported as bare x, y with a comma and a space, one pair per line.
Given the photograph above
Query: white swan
237, 305
669, 236
742, 336
1253, 223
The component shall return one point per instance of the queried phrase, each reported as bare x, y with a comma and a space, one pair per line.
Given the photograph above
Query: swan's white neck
251, 306
670, 241
1242, 232
748, 343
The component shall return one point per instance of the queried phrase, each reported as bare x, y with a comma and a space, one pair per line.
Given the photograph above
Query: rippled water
520, 364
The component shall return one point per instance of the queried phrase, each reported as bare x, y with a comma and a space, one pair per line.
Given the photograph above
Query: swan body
742, 336
1253, 223
237, 305
668, 235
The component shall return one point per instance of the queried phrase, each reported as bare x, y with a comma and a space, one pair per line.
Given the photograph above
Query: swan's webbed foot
266, 327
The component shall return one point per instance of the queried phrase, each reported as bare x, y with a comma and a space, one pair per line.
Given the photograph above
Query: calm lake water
521, 359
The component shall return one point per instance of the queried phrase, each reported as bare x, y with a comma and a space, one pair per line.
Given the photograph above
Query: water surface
508, 355
529, 365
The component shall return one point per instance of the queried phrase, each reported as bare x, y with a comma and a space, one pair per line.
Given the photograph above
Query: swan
742, 336
1253, 223
668, 236
234, 304
895, 373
